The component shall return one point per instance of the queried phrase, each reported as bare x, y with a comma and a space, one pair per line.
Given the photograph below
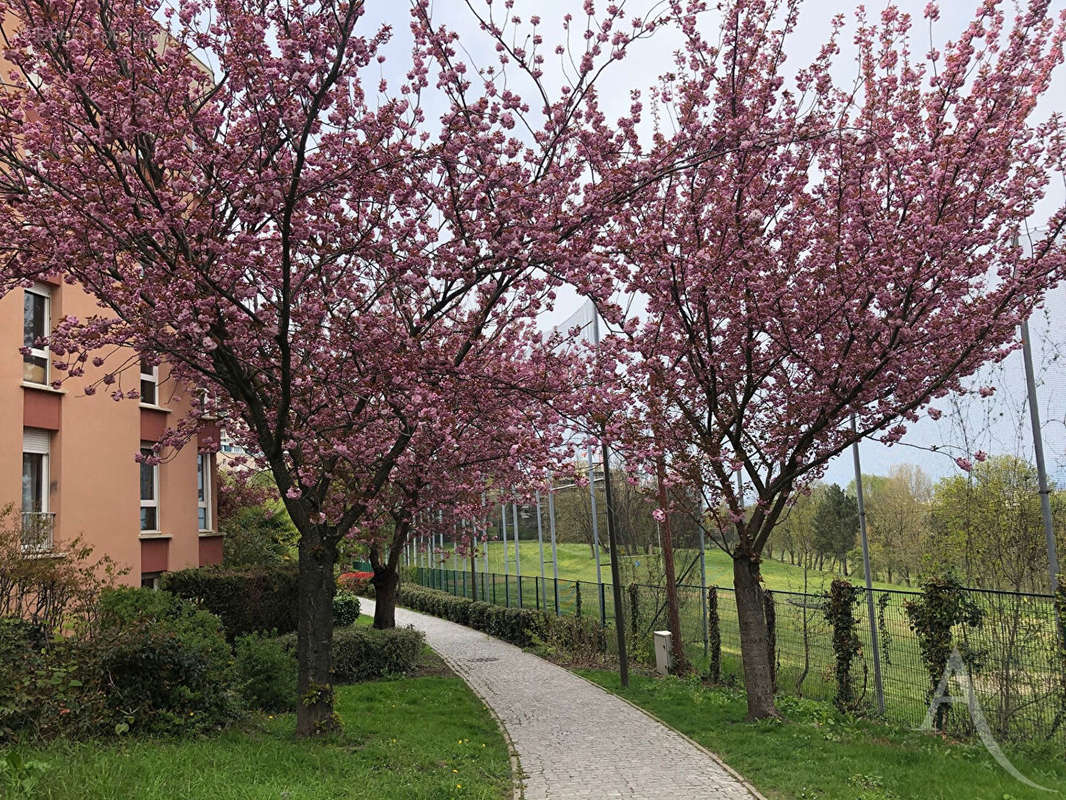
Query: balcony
38, 528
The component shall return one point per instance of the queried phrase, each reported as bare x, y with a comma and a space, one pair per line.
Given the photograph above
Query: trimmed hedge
519, 626
247, 600
362, 654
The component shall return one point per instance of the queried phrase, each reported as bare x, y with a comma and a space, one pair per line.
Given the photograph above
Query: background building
75, 453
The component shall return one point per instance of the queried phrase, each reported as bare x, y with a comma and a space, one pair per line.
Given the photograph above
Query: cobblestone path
574, 741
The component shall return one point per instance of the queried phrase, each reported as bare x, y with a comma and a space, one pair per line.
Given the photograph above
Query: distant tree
897, 515
257, 526
987, 526
836, 524
795, 531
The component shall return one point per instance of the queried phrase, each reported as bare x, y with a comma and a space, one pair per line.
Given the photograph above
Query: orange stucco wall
95, 489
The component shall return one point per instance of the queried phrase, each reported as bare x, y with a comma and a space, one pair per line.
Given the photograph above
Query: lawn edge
714, 756
518, 788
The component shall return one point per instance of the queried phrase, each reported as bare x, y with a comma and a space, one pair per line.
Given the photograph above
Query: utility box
664, 652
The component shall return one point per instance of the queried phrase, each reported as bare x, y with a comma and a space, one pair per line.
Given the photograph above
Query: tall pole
473, 560
517, 554
555, 554
878, 685
1041, 469
595, 530
616, 577
503, 534
485, 535
540, 542
673, 615
703, 581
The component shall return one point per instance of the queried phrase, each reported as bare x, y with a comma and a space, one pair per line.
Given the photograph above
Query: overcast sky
997, 425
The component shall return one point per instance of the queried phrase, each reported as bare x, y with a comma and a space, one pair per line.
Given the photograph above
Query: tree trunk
386, 579
314, 711
754, 640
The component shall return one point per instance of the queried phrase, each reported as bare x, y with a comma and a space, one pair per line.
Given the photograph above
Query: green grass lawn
818, 754
418, 738
577, 563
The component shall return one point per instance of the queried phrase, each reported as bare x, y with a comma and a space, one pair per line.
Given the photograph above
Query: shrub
345, 608
361, 654
266, 673
578, 639
50, 592
155, 663
247, 600
357, 583
165, 664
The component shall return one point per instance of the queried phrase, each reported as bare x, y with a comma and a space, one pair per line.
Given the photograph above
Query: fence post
507, 589
577, 600
536, 586
494, 588
603, 605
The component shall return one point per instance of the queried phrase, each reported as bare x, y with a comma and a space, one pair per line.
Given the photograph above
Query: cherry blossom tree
850, 252
498, 430
254, 204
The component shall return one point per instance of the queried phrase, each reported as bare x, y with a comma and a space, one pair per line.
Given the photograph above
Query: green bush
345, 608
362, 654
154, 663
166, 664
247, 600
266, 673
519, 626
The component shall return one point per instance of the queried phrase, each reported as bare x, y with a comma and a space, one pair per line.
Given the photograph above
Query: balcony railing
38, 528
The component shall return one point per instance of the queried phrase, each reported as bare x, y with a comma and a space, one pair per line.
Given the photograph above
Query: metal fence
1019, 681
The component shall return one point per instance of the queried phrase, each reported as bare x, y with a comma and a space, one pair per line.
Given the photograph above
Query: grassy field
576, 562
820, 755
418, 738
1018, 687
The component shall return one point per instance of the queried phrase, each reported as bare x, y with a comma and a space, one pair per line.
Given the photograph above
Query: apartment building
75, 453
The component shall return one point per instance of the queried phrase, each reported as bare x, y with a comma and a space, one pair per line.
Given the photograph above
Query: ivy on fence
714, 633
839, 612
883, 633
1060, 647
634, 609
771, 635
944, 603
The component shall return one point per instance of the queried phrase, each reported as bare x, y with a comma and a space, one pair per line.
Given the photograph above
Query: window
150, 580
203, 491
37, 521
149, 384
149, 492
36, 325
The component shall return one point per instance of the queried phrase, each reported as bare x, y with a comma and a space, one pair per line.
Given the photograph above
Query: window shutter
35, 440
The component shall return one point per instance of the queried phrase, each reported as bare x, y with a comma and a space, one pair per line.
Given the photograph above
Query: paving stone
574, 740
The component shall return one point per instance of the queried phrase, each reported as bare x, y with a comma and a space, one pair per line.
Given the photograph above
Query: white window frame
153, 378
42, 290
203, 477
154, 502
45, 452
